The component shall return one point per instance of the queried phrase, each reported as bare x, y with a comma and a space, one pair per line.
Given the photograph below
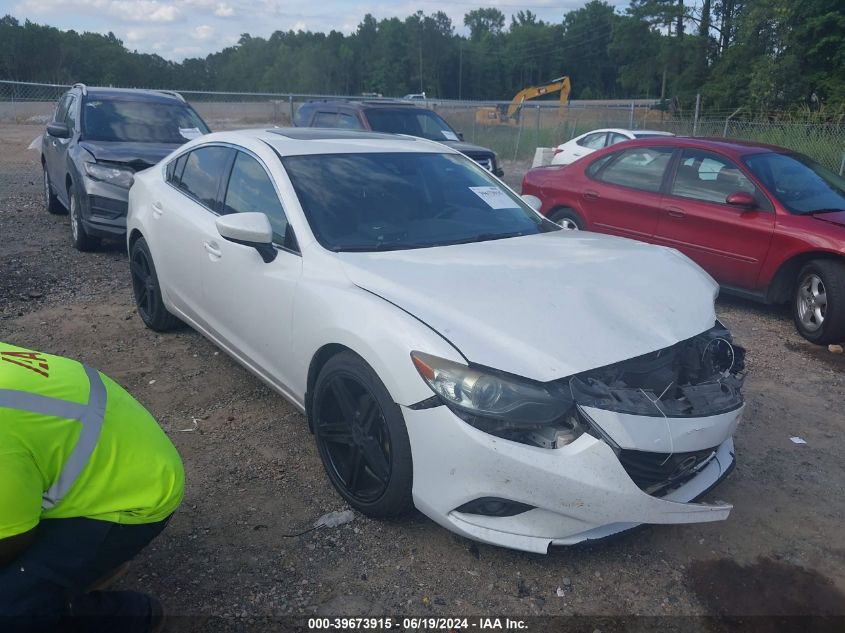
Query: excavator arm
561, 84
499, 115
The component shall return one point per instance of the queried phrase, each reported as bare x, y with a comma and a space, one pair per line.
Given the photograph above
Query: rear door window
593, 141
615, 137
348, 121
325, 119
639, 168
201, 176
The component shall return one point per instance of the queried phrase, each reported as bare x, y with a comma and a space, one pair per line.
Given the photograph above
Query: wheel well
134, 236
323, 355
780, 288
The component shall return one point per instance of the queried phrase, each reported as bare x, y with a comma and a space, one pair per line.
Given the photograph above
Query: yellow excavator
509, 114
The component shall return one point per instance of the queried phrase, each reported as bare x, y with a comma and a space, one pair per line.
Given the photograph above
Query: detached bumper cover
579, 492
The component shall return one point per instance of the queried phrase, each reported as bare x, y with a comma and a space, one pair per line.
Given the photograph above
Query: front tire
79, 236
567, 219
361, 437
51, 201
818, 302
146, 289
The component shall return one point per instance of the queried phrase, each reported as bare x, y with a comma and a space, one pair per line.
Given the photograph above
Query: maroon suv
766, 222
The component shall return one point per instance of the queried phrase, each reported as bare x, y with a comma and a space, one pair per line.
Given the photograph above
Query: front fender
330, 310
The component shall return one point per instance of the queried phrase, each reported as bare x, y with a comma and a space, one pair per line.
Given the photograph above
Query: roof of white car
626, 131
298, 141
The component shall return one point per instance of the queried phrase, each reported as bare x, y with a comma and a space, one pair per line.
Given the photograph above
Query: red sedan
765, 222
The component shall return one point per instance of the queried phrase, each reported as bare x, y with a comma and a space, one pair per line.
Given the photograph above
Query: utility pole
421, 38
460, 69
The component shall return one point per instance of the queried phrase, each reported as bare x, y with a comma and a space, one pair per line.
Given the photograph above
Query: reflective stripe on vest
91, 416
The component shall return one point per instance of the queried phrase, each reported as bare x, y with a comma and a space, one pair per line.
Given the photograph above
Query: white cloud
202, 32
143, 10
223, 10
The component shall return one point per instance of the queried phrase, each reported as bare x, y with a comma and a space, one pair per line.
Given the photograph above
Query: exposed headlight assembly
514, 402
110, 174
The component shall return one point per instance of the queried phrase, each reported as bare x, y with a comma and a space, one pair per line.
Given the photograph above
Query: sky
176, 29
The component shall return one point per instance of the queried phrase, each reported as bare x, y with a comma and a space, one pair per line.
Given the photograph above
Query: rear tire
567, 219
79, 236
818, 301
362, 438
146, 289
51, 201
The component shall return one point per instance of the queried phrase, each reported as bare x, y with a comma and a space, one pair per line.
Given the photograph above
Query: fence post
728, 120
290, 102
631, 117
519, 133
697, 110
14, 105
537, 136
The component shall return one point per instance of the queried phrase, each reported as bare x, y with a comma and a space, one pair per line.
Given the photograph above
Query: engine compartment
700, 376
697, 377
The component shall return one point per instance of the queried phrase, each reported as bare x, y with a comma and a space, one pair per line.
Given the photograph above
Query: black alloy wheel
361, 437
147, 293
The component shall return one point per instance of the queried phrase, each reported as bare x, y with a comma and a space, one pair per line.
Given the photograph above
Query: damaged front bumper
576, 493
638, 447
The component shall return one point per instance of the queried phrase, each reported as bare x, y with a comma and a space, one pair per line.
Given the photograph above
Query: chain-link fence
535, 124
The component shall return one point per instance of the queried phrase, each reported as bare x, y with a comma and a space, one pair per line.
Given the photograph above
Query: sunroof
323, 134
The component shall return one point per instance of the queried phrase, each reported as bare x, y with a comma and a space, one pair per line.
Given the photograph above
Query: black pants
42, 590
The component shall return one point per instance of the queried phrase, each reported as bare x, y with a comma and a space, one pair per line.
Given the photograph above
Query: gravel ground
254, 476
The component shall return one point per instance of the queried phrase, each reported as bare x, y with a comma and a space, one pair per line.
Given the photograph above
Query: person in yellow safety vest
87, 479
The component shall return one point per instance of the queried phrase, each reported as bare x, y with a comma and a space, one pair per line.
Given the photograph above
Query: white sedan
451, 349
591, 141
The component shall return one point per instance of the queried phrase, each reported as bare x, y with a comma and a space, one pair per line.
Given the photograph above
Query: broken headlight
119, 176
514, 401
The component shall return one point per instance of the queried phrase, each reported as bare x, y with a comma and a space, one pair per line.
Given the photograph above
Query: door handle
211, 249
675, 212
591, 195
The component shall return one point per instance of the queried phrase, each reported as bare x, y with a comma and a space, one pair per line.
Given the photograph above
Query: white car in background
451, 348
591, 141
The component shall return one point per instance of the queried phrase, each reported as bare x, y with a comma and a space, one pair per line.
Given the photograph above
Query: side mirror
460, 136
58, 130
249, 229
741, 199
533, 201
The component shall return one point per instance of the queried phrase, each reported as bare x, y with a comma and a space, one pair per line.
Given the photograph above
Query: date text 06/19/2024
417, 624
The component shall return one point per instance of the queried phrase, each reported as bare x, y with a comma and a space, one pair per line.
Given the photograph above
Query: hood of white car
545, 306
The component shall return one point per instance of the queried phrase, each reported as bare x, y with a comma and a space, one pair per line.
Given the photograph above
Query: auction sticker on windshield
495, 197
190, 133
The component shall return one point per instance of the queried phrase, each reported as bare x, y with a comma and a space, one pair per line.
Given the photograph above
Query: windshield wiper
484, 237
379, 246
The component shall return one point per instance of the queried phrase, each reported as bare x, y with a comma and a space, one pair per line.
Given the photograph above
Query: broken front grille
659, 473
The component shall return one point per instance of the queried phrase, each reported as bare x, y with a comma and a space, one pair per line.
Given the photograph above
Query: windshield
799, 183
370, 202
140, 121
412, 121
